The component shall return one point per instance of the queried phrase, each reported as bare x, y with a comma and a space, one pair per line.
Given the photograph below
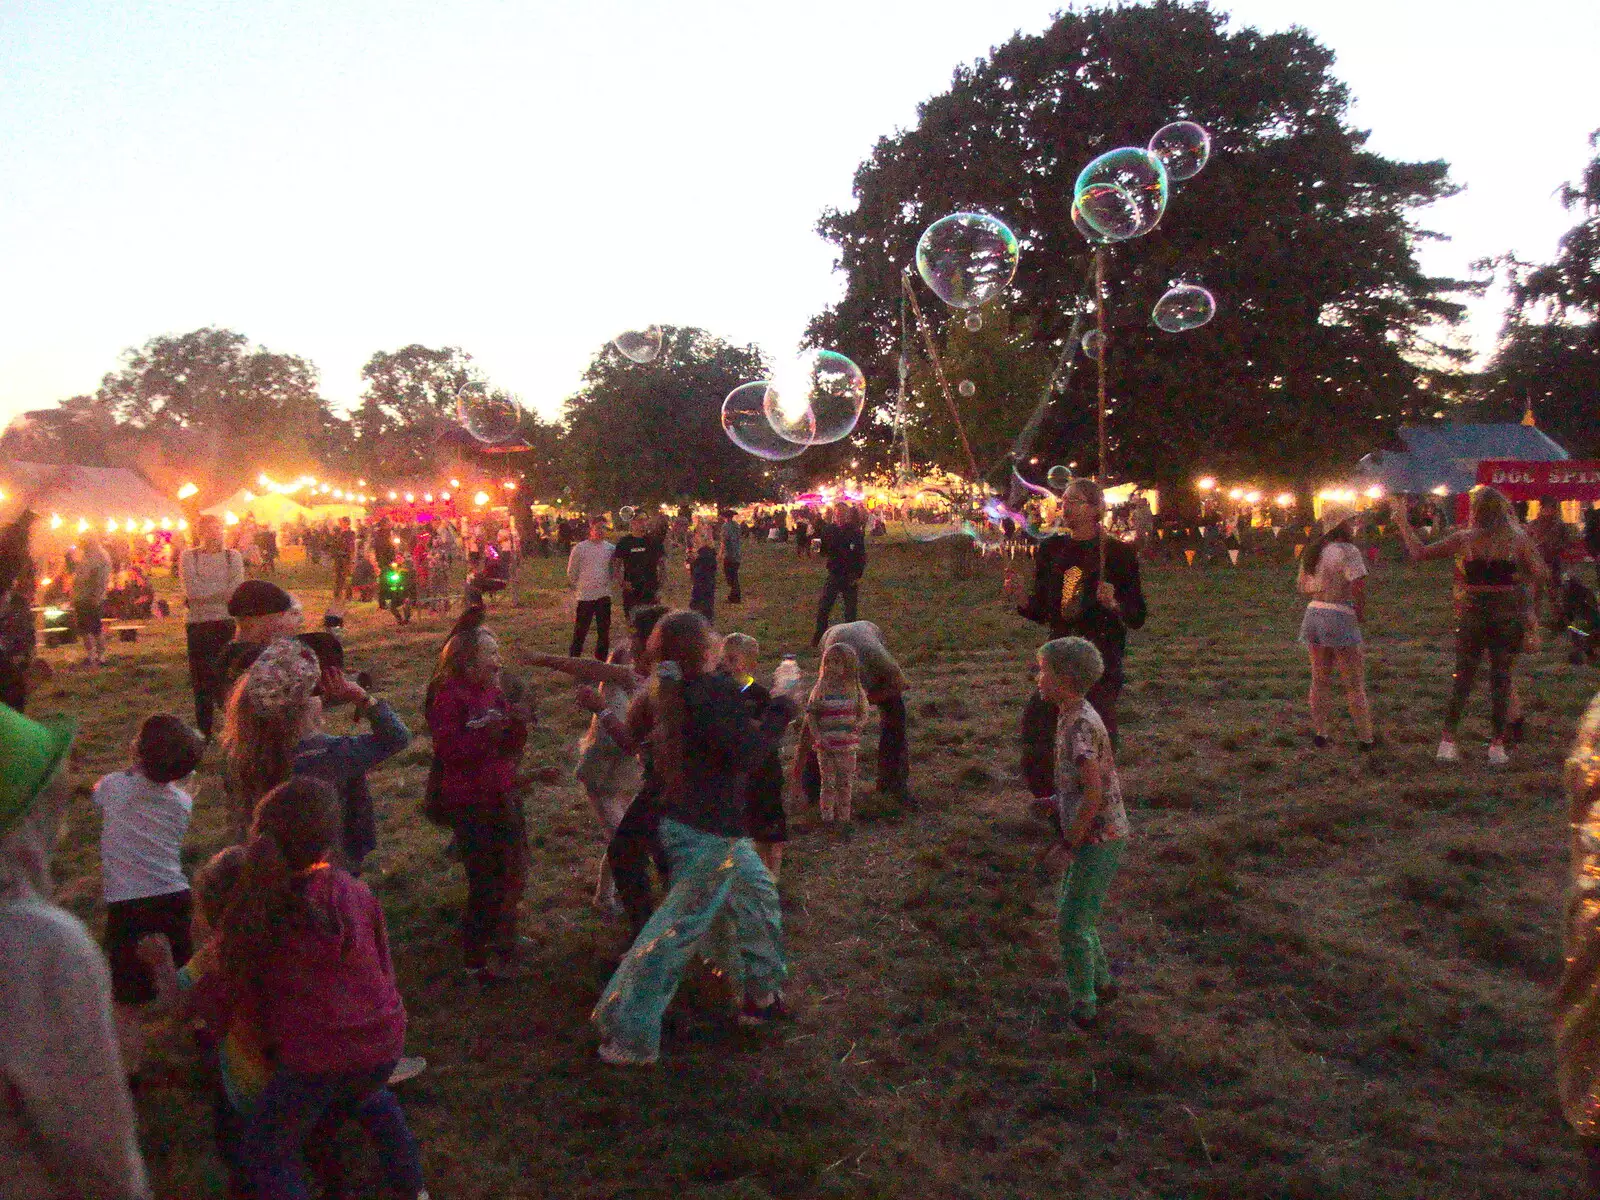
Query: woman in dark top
704, 747
1500, 577
1071, 598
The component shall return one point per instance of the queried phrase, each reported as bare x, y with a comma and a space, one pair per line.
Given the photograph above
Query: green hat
30, 752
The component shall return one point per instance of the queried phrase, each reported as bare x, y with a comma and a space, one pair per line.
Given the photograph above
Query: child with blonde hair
836, 712
763, 797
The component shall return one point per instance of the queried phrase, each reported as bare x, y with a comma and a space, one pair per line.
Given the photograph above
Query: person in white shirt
209, 573
1333, 574
144, 817
589, 572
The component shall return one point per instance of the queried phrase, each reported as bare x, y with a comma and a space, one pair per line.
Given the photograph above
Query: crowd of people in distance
275, 955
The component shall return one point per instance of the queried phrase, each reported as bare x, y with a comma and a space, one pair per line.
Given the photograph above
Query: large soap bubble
1185, 306
967, 258
1123, 193
641, 345
744, 420
490, 416
1183, 148
816, 399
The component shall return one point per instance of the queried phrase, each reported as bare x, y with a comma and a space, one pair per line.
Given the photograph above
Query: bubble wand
938, 372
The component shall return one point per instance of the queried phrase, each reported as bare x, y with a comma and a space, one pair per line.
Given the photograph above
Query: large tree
1549, 353
653, 431
408, 404
1306, 238
236, 409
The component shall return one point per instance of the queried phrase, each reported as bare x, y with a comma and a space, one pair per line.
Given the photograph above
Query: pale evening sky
525, 180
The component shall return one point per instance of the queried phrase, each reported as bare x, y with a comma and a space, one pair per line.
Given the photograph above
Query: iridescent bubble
967, 388
744, 420
490, 416
816, 399
1183, 148
1087, 230
973, 322
1058, 476
627, 512
1093, 342
1122, 193
641, 345
1185, 306
967, 258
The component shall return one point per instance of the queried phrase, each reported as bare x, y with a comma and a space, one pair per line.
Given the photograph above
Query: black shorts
129, 920
763, 807
86, 619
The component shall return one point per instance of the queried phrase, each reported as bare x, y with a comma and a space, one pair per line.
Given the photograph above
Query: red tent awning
1566, 479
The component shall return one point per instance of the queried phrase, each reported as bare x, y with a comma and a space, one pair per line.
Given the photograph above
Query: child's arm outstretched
584, 670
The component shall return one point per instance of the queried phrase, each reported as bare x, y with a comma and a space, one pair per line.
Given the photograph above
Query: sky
528, 179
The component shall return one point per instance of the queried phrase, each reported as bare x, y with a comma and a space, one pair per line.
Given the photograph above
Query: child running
705, 747
764, 815
478, 736
303, 947
1094, 824
836, 712
144, 818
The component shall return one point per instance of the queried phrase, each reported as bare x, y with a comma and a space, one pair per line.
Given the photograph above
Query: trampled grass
1335, 968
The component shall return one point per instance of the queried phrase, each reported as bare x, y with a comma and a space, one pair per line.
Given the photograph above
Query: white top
141, 835
1340, 566
589, 569
209, 575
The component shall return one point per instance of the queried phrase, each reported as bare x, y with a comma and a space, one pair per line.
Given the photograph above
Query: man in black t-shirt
844, 547
637, 562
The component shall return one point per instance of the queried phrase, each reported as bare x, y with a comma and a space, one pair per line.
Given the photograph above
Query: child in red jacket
478, 736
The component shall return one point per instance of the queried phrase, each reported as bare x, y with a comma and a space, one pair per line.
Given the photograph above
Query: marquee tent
94, 494
269, 509
1445, 455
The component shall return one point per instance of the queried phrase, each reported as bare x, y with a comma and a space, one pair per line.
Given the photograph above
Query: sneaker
616, 1056
408, 1067
753, 1014
1447, 751
1497, 755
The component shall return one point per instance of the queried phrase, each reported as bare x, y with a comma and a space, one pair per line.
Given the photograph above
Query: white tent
269, 509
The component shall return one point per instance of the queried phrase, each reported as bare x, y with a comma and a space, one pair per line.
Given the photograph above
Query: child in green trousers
1093, 822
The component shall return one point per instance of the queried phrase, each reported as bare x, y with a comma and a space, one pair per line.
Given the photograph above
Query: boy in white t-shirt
144, 817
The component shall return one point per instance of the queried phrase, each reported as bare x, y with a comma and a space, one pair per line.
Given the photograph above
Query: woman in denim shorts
1333, 576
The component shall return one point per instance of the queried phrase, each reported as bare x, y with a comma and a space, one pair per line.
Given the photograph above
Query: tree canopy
409, 402
653, 431
1306, 238
1549, 353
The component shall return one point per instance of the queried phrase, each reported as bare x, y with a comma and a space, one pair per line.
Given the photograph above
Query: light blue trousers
1083, 891
710, 875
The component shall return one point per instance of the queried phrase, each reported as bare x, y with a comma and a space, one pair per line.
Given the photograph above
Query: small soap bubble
1185, 306
1093, 342
641, 345
967, 388
1183, 148
627, 512
744, 420
489, 416
1122, 193
967, 258
816, 399
973, 322
1058, 476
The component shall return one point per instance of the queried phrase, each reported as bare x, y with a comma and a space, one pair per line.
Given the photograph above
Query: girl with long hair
272, 728
836, 712
1333, 576
1500, 579
478, 736
704, 745
303, 947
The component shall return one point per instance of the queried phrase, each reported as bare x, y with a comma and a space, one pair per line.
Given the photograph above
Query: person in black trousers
1071, 598
844, 548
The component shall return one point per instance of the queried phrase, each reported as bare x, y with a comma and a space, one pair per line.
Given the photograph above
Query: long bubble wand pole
1100, 405
938, 372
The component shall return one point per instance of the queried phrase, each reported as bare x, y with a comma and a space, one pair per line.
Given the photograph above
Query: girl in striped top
835, 714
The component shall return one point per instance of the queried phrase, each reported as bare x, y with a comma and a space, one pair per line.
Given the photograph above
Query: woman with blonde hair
1500, 578
1333, 577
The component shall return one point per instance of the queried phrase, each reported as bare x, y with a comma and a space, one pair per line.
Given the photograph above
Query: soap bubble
1185, 306
1093, 342
744, 420
1122, 193
973, 322
967, 258
489, 416
641, 345
967, 388
1183, 148
1091, 235
816, 399
1058, 476
627, 512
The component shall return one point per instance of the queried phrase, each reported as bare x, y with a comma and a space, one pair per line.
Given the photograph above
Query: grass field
1335, 968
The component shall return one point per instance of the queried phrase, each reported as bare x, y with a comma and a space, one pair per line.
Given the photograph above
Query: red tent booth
1554, 481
